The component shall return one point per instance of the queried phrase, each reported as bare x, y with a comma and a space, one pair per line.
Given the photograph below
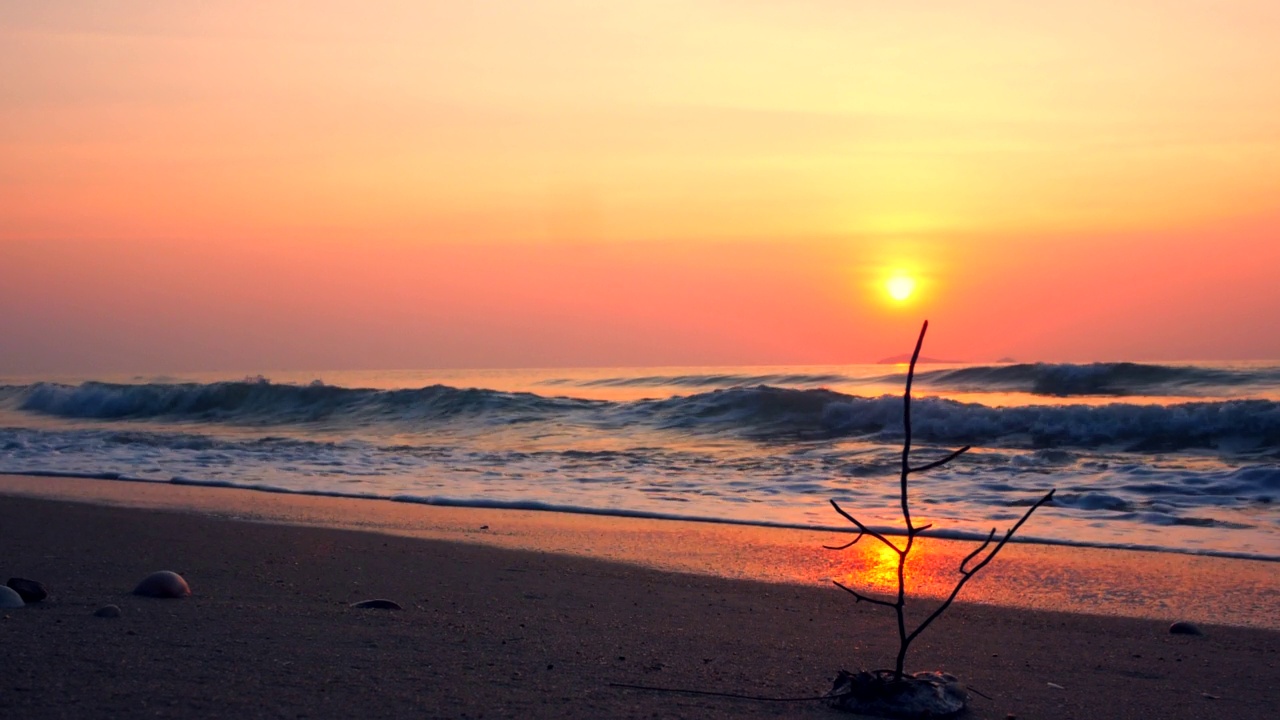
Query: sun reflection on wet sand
1043, 577
876, 569
871, 566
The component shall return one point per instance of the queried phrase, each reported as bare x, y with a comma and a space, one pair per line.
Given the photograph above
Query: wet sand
537, 614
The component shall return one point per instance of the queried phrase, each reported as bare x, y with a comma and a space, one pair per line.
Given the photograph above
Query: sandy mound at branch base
879, 693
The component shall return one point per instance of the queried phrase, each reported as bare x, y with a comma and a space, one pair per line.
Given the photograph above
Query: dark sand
495, 632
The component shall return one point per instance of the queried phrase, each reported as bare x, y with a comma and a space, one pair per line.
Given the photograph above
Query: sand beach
526, 614
568, 334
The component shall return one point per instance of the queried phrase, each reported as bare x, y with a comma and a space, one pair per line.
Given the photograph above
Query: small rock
30, 590
1056, 686
9, 598
377, 604
163, 584
107, 611
1184, 628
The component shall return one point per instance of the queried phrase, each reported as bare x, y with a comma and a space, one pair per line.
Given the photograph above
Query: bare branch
974, 554
863, 598
864, 528
906, 425
966, 574
845, 546
899, 607
940, 463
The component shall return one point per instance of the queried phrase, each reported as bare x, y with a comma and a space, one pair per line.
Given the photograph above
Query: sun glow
900, 287
879, 571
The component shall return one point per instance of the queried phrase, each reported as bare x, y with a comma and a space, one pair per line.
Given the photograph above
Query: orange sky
274, 184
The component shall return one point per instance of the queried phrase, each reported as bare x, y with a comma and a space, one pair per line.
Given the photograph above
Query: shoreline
498, 631
961, 535
1075, 579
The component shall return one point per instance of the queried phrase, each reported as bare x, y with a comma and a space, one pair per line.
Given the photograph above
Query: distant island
905, 358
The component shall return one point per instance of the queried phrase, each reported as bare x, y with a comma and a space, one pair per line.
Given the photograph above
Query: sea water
1178, 457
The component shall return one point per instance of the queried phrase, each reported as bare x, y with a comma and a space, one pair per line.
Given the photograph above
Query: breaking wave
263, 402
1108, 379
762, 413
1114, 379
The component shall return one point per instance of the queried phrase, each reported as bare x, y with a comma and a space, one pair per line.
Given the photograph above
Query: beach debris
884, 693
9, 598
969, 566
163, 584
377, 604
107, 611
1055, 686
31, 591
1207, 696
1184, 628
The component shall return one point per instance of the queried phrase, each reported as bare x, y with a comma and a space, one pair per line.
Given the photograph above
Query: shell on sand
163, 584
9, 598
377, 604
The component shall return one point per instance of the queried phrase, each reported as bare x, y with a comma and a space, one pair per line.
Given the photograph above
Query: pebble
108, 611
30, 590
377, 604
9, 598
163, 584
1184, 628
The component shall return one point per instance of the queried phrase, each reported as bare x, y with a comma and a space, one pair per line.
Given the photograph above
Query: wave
720, 380
1113, 379
263, 402
761, 413
1106, 379
777, 413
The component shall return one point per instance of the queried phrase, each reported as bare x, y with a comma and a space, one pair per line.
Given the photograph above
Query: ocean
1181, 457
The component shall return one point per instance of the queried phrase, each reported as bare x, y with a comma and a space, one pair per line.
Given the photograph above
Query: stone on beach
377, 604
163, 584
1184, 628
107, 611
9, 598
31, 591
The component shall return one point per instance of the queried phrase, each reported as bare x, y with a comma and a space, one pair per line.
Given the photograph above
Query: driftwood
874, 687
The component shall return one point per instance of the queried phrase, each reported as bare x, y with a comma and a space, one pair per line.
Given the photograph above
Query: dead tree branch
899, 604
966, 574
863, 598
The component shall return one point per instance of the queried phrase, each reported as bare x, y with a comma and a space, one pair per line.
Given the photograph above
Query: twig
863, 598
967, 574
845, 546
940, 463
899, 605
864, 530
980, 548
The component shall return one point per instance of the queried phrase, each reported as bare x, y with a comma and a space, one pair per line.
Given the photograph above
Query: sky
275, 184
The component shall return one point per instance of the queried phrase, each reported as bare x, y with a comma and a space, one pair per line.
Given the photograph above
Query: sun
900, 287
